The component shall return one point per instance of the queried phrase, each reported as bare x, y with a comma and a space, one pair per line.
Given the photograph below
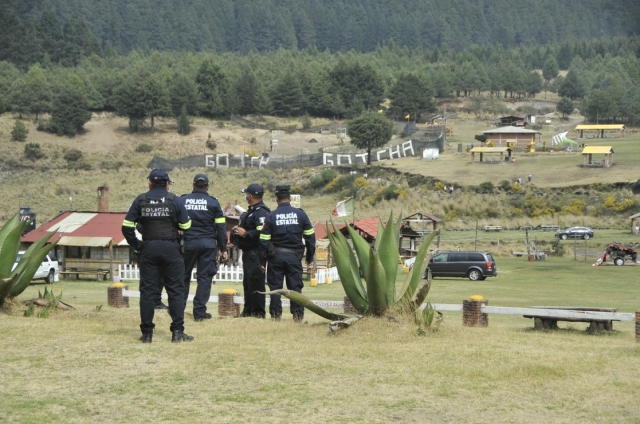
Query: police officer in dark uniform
284, 228
247, 237
161, 214
208, 225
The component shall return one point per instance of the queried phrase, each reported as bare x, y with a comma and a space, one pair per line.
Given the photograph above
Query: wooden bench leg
538, 324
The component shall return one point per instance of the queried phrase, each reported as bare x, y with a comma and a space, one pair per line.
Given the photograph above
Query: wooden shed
634, 223
589, 151
511, 136
414, 229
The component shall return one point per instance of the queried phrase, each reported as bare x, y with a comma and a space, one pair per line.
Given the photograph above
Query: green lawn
87, 365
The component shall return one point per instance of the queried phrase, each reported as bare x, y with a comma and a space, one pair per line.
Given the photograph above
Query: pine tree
184, 127
19, 131
70, 108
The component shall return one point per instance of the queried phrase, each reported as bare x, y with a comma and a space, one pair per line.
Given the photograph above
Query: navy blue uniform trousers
253, 282
161, 261
284, 264
195, 253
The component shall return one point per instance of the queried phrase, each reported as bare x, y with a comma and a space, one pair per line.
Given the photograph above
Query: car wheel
586, 237
634, 256
50, 278
475, 275
563, 237
618, 261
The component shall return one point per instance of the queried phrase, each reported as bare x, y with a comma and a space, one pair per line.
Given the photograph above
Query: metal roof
489, 149
510, 130
84, 241
82, 224
603, 150
600, 127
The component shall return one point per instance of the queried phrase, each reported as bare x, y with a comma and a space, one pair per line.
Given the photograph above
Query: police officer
208, 225
161, 214
284, 228
247, 238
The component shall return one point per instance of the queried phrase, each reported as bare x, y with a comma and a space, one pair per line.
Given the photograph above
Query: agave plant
369, 274
13, 281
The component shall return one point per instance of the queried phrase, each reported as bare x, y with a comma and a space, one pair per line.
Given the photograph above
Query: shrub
252, 153
252, 141
73, 155
19, 131
505, 185
220, 124
81, 165
306, 122
575, 207
322, 180
33, 152
144, 148
211, 145
486, 187
111, 165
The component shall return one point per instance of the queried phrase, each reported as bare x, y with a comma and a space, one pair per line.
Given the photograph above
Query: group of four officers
263, 236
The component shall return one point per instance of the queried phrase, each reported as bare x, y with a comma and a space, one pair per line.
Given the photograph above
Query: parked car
48, 270
473, 265
575, 232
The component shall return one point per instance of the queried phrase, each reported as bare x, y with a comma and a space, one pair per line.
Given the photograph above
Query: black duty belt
284, 249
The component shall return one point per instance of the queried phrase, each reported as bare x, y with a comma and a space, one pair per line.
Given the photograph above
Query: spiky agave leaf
26, 275
377, 285
8, 226
308, 304
388, 253
362, 250
10, 248
422, 260
376, 243
5, 288
349, 277
341, 240
33, 248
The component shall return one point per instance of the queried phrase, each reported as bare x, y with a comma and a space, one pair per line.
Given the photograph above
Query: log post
472, 315
638, 326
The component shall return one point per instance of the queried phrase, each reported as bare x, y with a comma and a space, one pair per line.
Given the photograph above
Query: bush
111, 165
486, 187
211, 145
322, 180
73, 155
33, 152
144, 148
306, 122
81, 165
19, 132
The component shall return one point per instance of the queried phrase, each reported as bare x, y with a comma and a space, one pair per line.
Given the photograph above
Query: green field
87, 365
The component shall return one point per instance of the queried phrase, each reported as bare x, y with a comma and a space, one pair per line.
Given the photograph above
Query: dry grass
87, 365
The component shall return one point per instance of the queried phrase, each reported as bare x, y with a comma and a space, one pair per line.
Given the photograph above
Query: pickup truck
48, 270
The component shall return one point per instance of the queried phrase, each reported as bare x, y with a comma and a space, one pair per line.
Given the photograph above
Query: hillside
46, 185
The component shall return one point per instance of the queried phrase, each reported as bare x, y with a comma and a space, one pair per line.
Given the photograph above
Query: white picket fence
226, 274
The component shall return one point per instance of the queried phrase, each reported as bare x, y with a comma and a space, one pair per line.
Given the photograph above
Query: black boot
146, 337
179, 336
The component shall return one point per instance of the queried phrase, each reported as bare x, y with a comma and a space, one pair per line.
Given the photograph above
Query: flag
343, 208
407, 116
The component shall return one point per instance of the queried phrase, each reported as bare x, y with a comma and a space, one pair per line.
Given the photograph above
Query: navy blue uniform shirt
207, 219
285, 227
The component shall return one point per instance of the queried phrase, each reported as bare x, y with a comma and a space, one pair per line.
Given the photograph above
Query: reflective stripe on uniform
259, 228
308, 232
185, 226
126, 223
265, 237
220, 220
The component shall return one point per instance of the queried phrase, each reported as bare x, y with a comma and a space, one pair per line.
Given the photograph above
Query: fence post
472, 315
226, 304
637, 326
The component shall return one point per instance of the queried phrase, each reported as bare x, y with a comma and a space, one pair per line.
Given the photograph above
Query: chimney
103, 199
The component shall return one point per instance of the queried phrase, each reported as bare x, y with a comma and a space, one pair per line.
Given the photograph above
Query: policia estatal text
207, 226
284, 229
161, 214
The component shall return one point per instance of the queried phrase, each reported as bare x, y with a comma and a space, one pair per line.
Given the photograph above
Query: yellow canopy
603, 150
489, 149
600, 127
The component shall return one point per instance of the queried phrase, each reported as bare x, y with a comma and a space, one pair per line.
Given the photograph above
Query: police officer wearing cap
285, 228
161, 214
208, 225
247, 237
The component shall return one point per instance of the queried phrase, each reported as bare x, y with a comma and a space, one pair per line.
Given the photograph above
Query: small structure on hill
503, 152
589, 151
634, 223
414, 229
516, 121
598, 131
511, 136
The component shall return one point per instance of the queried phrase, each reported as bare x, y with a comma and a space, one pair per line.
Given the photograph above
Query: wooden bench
492, 228
547, 317
75, 273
